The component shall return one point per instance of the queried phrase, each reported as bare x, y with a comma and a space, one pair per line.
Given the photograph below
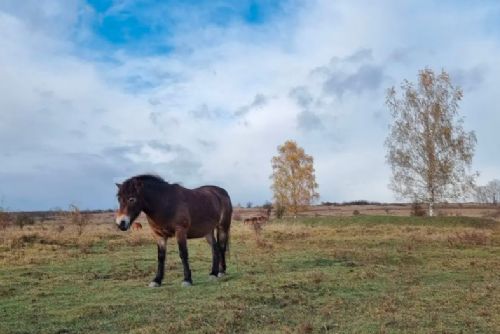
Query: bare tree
294, 183
429, 151
490, 193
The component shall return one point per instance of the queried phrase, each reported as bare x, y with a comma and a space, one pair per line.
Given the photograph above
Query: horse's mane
148, 177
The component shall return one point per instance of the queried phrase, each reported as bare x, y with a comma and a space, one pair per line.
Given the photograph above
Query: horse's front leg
181, 236
162, 254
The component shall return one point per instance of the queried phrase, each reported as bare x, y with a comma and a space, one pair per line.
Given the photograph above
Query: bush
268, 207
78, 218
24, 219
417, 210
5, 219
356, 213
468, 239
280, 211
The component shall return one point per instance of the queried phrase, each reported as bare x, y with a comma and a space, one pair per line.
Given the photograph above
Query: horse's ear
119, 185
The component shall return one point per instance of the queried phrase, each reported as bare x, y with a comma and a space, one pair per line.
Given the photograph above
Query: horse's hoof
154, 284
186, 283
221, 275
212, 277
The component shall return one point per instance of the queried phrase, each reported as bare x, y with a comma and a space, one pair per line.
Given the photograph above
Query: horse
172, 210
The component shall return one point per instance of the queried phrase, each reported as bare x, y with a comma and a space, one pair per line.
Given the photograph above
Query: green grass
320, 275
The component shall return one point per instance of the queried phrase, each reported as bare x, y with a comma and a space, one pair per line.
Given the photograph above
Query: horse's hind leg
222, 241
215, 253
183, 253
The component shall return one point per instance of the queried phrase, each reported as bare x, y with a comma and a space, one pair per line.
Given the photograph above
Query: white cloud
226, 96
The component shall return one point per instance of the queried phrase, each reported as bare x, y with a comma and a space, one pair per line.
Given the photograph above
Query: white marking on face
123, 218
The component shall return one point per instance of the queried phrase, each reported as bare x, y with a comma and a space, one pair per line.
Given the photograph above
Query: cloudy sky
203, 92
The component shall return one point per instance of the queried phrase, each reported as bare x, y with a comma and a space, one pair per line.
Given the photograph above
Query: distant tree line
489, 193
357, 202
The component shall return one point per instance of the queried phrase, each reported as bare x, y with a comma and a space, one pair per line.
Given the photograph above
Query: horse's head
131, 203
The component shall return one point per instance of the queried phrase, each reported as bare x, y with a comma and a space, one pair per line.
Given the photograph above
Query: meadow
362, 274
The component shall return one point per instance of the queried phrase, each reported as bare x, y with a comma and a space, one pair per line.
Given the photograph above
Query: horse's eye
132, 200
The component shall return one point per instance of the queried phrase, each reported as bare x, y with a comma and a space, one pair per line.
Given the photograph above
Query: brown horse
173, 210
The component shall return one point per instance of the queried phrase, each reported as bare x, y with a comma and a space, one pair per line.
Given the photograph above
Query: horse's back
210, 203
218, 193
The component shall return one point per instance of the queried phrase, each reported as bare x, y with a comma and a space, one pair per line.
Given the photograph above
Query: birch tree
429, 151
294, 182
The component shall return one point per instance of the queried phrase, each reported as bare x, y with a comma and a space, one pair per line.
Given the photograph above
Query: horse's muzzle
123, 226
123, 222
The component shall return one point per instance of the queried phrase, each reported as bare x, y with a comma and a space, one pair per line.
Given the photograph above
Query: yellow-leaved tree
294, 183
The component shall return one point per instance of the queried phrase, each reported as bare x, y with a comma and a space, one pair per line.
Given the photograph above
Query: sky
203, 92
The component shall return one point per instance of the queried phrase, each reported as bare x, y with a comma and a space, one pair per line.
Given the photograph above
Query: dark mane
129, 186
148, 177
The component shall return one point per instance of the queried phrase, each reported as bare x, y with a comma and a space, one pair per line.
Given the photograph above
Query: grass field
363, 274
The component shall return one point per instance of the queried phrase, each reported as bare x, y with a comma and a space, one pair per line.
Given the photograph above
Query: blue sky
202, 92
146, 27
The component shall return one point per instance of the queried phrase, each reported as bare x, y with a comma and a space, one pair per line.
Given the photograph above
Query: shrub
280, 211
356, 213
268, 207
78, 218
24, 219
5, 219
418, 210
468, 239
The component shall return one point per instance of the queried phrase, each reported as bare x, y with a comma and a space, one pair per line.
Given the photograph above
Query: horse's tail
224, 226
226, 223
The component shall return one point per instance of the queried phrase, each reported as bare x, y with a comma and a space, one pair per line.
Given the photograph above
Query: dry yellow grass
361, 274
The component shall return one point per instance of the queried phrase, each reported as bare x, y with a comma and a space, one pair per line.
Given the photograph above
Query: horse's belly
196, 234
199, 231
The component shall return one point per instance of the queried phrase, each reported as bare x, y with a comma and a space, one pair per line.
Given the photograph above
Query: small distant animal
136, 226
255, 220
174, 211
